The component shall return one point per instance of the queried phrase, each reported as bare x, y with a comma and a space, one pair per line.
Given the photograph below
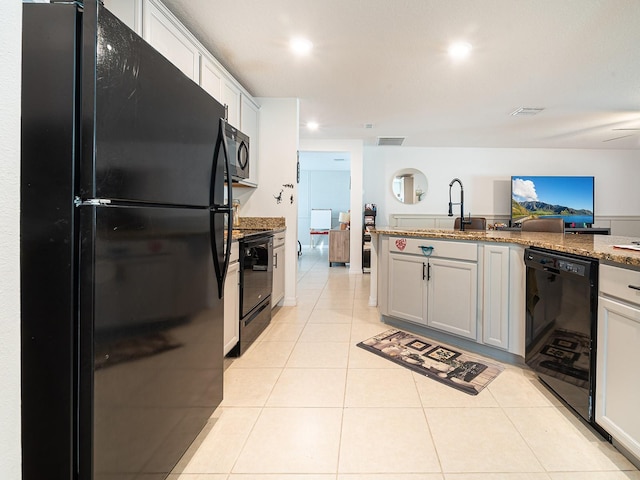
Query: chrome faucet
463, 222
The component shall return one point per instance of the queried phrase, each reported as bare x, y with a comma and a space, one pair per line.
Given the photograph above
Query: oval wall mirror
409, 186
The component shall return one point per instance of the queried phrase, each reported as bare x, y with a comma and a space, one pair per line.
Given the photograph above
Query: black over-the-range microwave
238, 150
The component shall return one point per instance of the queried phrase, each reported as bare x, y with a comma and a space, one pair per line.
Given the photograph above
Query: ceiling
380, 68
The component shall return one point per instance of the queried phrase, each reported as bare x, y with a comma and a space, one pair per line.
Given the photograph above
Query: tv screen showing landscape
570, 198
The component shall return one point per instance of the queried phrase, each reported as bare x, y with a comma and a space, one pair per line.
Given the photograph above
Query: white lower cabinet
277, 290
617, 388
232, 301
439, 293
452, 298
472, 290
407, 287
495, 297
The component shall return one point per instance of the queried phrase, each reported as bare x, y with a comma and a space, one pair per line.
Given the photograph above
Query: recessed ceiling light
459, 50
312, 125
301, 46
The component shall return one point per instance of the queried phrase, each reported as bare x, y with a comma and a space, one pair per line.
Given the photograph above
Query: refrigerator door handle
228, 204
220, 253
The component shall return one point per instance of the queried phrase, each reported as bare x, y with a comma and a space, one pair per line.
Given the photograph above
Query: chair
320, 223
543, 225
477, 223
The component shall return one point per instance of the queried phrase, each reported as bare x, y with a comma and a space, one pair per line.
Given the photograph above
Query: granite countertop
594, 246
252, 225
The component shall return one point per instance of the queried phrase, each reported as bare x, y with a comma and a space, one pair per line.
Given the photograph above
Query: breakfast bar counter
594, 246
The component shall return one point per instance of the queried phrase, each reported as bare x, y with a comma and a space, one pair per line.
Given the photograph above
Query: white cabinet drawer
278, 239
235, 252
441, 248
621, 283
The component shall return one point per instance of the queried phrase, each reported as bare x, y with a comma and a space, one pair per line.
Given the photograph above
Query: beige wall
486, 174
278, 145
10, 52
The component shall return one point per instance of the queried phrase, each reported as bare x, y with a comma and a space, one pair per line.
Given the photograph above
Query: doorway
325, 183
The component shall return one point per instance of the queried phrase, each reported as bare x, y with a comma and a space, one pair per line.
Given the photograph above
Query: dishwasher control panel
570, 267
548, 261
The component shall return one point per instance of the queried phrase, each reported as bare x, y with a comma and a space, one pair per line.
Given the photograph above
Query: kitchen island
469, 288
594, 246
486, 273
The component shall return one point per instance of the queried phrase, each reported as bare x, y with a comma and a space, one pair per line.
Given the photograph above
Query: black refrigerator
123, 250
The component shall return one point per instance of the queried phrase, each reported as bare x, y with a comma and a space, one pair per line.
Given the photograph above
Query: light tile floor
304, 403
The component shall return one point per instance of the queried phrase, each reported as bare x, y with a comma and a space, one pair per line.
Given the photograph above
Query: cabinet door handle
275, 261
634, 287
426, 271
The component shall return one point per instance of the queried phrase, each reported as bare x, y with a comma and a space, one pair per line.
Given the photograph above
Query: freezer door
155, 129
155, 355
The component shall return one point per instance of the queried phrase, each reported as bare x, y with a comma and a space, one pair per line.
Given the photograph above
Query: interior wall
322, 189
355, 150
10, 81
486, 175
278, 157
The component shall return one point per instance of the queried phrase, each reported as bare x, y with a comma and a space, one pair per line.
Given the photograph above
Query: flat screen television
570, 198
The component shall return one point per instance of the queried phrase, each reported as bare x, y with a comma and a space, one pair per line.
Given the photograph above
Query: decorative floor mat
449, 365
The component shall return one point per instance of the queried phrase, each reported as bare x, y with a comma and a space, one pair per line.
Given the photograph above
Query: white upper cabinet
166, 35
129, 11
162, 30
231, 99
249, 124
249, 118
211, 79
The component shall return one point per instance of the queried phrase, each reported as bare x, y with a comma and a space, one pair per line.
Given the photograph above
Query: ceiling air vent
390, 141
526, 111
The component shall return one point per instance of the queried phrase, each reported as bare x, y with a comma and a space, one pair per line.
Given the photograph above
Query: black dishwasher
561, 316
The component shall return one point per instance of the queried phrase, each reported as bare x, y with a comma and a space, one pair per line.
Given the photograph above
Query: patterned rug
449, 365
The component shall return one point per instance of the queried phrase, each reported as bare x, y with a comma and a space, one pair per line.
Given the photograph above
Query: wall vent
390, 141
526, 111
